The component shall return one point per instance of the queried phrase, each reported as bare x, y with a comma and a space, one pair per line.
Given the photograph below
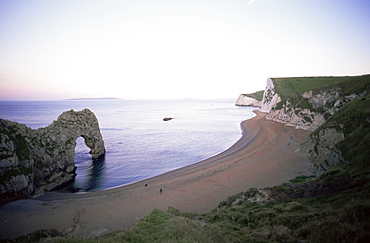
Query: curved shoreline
264, 156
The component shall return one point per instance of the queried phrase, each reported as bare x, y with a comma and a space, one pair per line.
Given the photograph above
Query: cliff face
332, 107
244, 100
321, 150
270, 97
343, 139
34, 161
310, 109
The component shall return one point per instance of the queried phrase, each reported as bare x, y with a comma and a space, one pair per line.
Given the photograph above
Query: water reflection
89, 176
90, 172
95, 172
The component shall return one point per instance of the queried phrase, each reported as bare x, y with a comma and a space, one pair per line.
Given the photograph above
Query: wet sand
264, 156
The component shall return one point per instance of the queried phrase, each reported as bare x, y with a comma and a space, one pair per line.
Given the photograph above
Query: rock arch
34, 161
72, 124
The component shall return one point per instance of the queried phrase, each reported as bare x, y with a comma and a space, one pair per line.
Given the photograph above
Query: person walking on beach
160, 191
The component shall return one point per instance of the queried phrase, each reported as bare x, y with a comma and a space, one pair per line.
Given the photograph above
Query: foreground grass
332, 208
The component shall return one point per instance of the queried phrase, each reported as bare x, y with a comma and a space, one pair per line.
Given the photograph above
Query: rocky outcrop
314, 103
245, 100
321, 150
307, 110
34, 161
311, 109
342, 139
270, 97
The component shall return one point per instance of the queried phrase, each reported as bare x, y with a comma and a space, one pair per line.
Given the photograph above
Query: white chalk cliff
308, 110
245, 100
314, 110
270, 97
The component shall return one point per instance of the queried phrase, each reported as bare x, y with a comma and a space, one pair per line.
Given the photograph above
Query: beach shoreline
264, 156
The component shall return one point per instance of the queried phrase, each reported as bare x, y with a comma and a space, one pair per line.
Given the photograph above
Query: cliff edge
336, 109
253, 99
307, 102
34, 161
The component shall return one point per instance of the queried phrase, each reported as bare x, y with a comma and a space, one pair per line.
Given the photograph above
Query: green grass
289, 87
162, 226
256, 95
300, 179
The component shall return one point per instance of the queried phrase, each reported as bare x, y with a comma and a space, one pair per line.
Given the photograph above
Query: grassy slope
256, 95
289, 87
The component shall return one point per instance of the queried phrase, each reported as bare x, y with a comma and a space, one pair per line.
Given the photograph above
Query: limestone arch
46, 155
82, 124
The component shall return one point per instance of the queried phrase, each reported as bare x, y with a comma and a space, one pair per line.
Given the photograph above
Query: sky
170, 49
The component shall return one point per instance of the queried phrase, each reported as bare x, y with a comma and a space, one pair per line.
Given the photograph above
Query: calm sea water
139, 144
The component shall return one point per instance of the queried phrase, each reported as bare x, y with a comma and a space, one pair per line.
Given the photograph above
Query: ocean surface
139, 144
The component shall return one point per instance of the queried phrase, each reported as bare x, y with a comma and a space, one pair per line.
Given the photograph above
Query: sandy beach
264, 156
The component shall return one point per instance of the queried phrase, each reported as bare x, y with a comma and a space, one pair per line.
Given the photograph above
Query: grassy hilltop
333, 207
289, 87
256, 95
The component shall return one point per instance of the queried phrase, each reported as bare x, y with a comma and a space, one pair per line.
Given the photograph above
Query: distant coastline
104, 98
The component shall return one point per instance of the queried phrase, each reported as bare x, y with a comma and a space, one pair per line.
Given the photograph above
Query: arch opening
88, 170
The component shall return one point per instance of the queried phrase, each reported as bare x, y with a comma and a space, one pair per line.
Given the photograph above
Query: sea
139, 144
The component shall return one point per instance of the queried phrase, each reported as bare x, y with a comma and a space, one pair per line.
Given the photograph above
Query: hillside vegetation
289, 87
353, 119
309, 102
256, 95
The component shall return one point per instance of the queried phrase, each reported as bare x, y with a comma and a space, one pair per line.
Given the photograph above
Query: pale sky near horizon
142, 49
